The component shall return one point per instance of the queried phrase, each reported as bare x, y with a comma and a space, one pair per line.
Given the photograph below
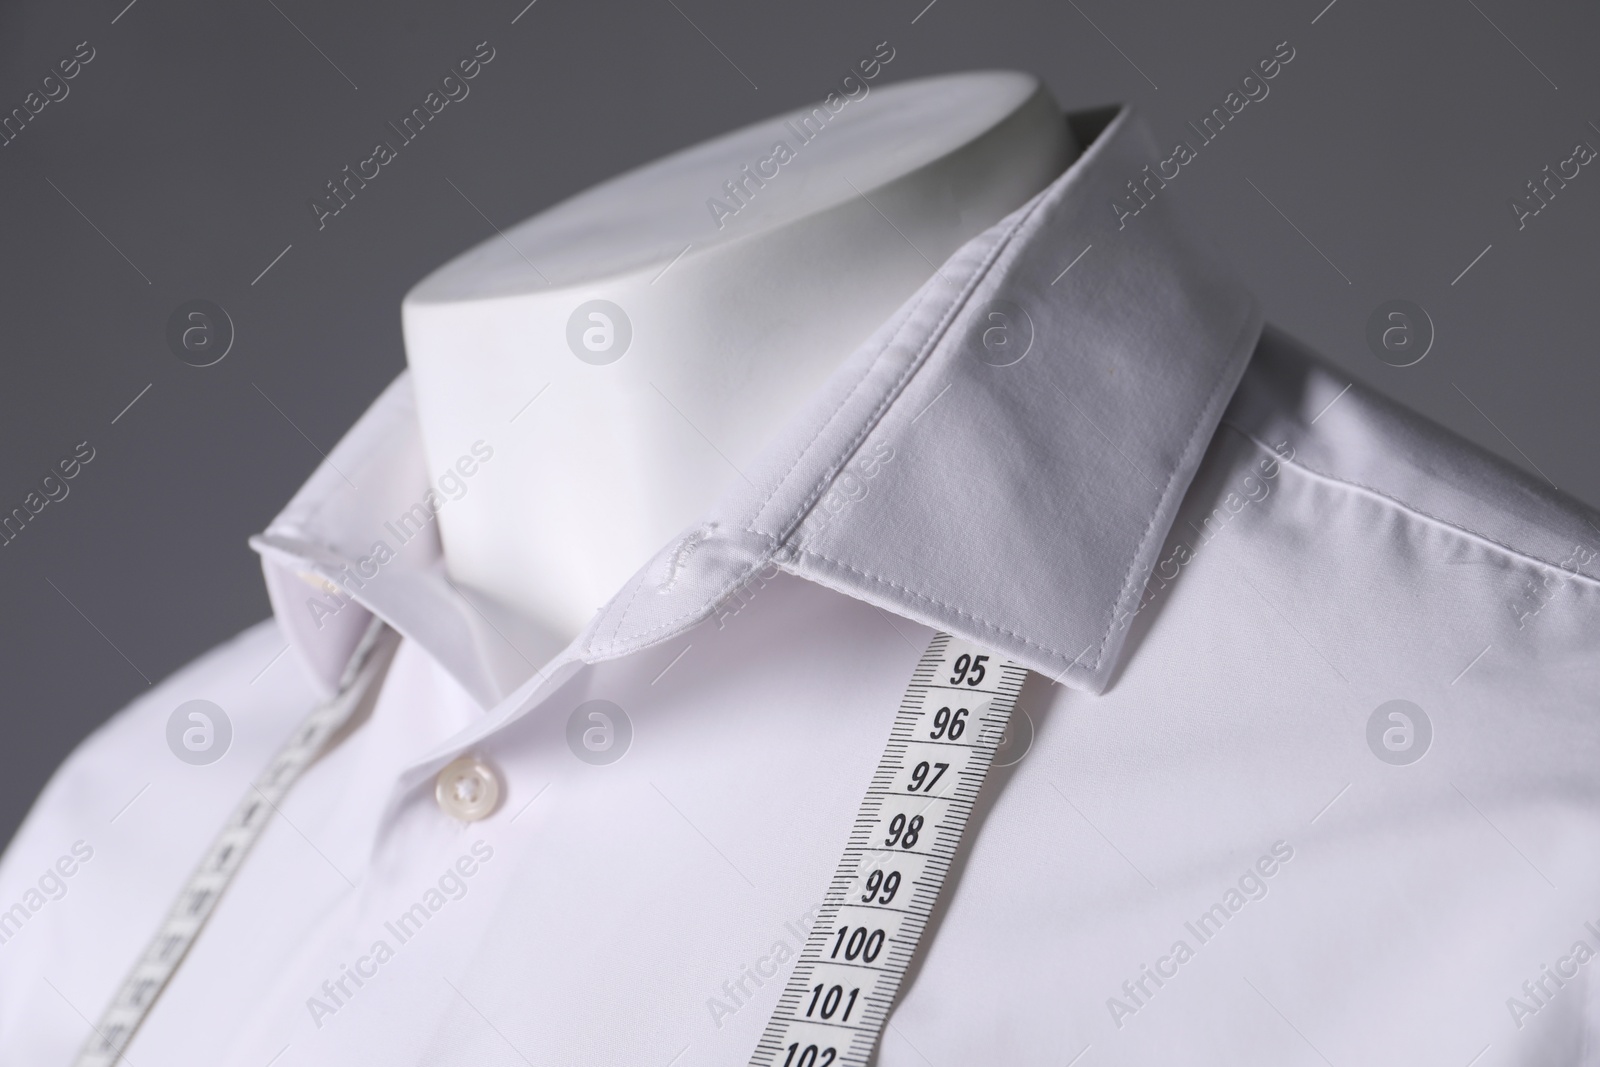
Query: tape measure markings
916, 807
901, 847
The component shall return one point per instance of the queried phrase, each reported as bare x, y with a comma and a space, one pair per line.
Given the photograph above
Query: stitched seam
866, 373
869, 424
882, 580
935, 336
800, 455
1205, 423
638, 584
706, 608
1403, 506
760, 507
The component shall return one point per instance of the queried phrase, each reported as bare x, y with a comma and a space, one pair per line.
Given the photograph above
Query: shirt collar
1001, 460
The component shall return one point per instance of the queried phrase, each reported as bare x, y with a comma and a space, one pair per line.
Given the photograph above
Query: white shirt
1221, 567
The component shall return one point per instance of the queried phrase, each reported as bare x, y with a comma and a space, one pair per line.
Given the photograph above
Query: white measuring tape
200, 894
907, 831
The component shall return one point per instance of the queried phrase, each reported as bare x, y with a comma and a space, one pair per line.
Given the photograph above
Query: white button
467, 789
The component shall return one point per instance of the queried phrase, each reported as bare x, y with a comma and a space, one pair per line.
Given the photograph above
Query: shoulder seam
1409, 509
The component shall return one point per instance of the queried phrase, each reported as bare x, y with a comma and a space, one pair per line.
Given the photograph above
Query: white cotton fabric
1217, 563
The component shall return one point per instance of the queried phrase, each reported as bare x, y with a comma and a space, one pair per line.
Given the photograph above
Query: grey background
189, 146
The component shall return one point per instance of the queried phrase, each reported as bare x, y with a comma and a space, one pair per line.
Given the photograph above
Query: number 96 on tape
951, 719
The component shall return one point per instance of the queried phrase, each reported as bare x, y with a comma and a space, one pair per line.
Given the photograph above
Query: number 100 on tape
907, 832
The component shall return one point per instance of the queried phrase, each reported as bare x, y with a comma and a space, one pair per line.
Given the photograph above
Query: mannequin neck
626, 360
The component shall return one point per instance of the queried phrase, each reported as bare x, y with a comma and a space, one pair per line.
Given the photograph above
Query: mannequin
731, 278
